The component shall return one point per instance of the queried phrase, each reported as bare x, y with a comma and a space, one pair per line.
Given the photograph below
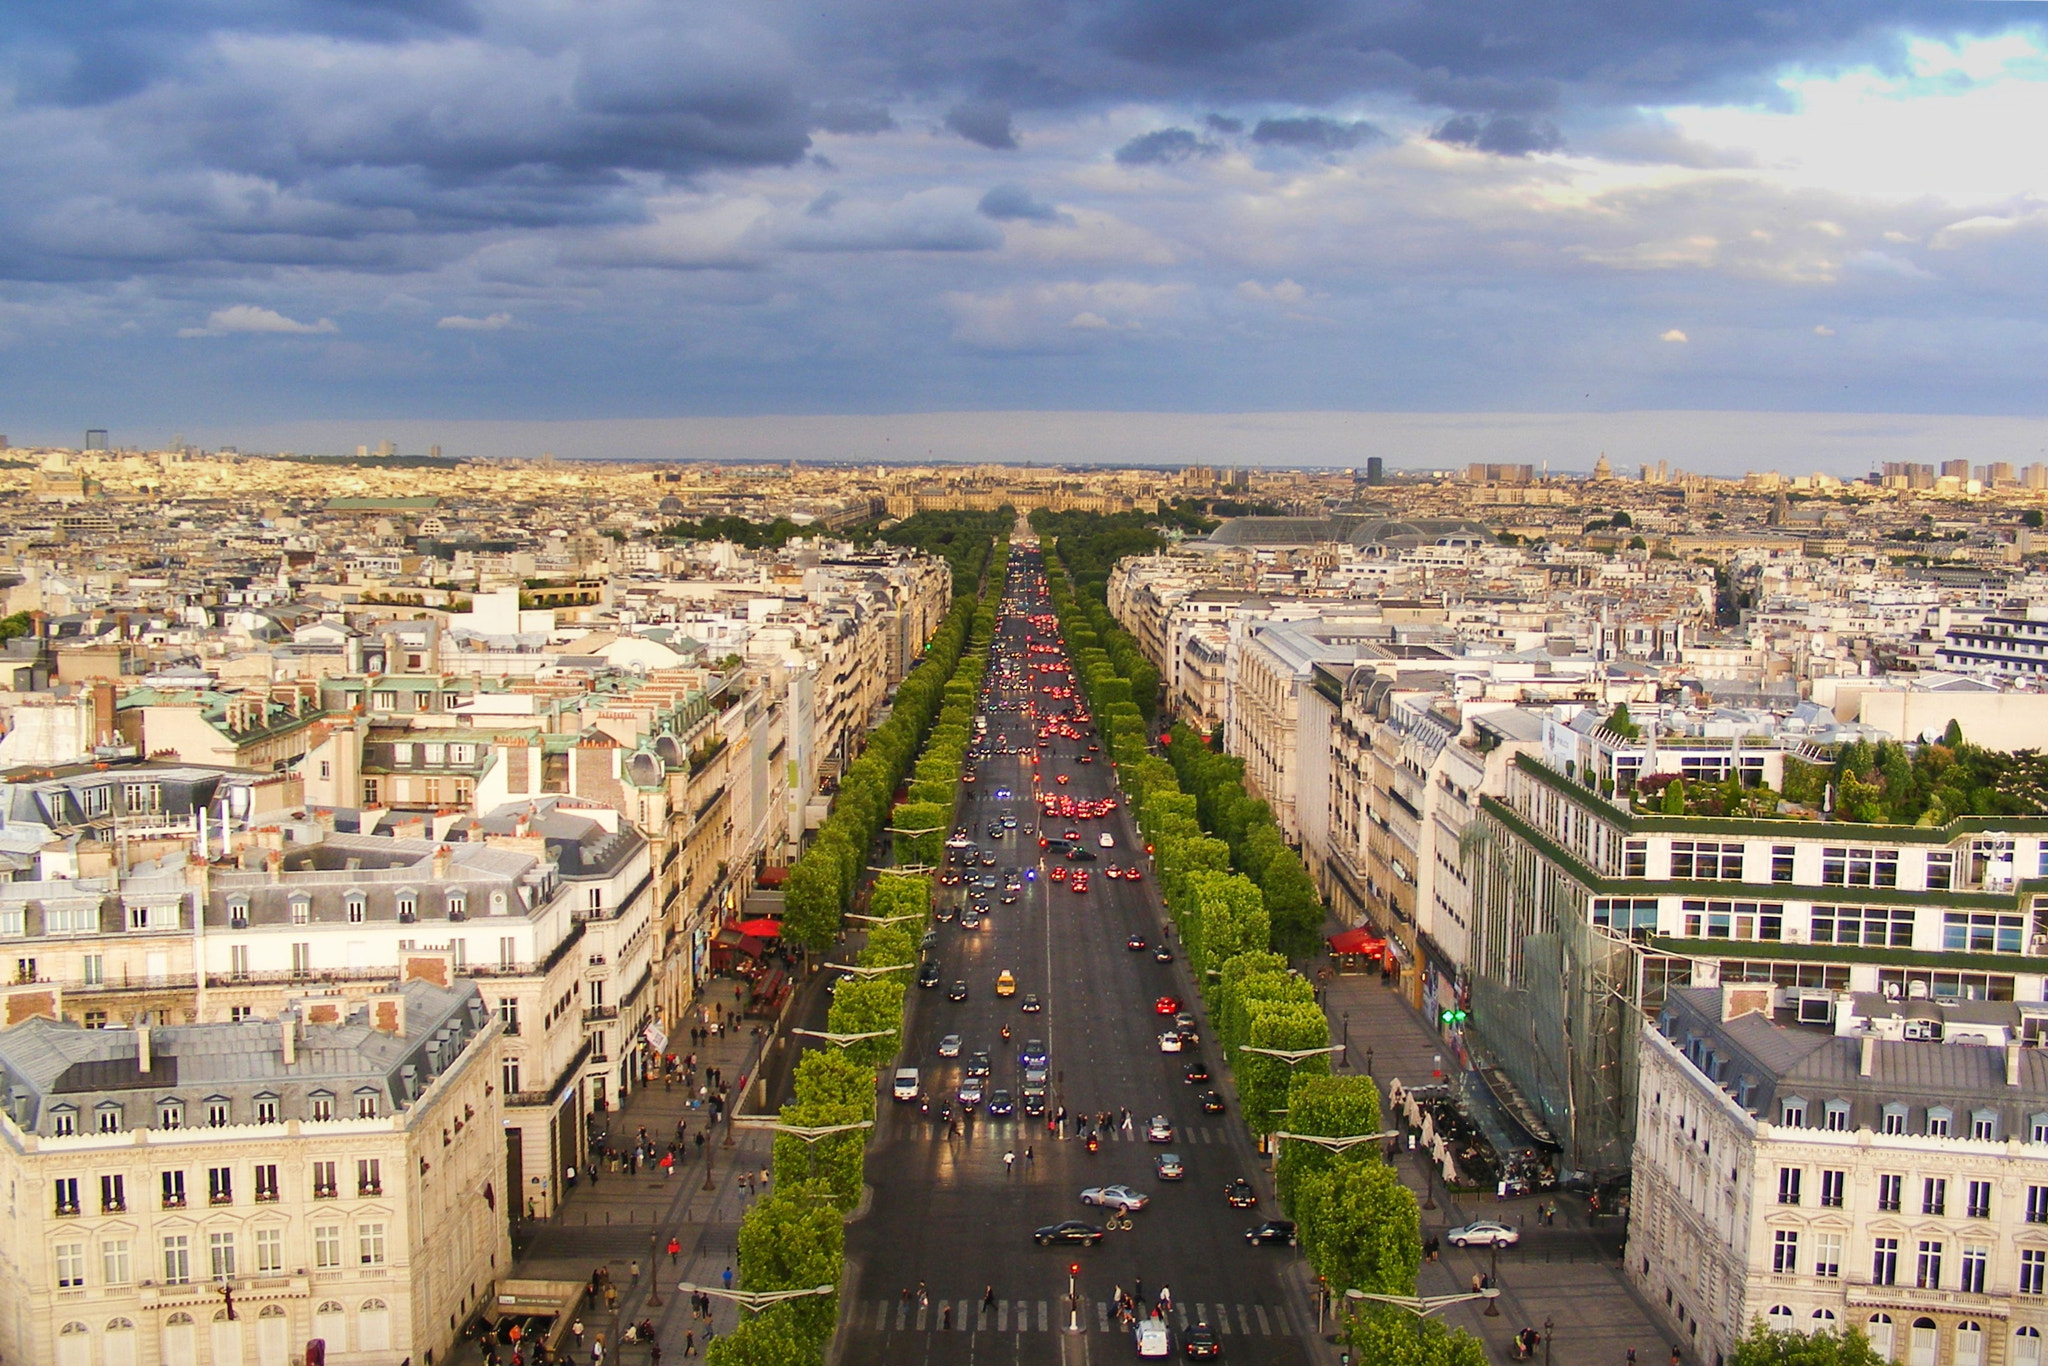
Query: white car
1160, 1130
1483, 1233
1115, 1197
1170, 1041
904, 1087
949, 1047
1152, 1338
1106, 840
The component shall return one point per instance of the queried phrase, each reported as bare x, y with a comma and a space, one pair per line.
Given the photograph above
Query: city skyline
1213, 209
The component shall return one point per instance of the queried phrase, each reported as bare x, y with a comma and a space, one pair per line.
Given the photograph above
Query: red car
1166, 1005
1079, 882
1059, 872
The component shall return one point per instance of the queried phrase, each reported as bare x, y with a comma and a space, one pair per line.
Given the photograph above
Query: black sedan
1272, 1231
1068, 1231
1162, 954
1200, 1343
1136, 943
1194, 1070
957, 992
1240, 1194
1211, 1103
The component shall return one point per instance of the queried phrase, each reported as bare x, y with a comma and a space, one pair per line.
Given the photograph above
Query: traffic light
1455, 1016
1073, 1268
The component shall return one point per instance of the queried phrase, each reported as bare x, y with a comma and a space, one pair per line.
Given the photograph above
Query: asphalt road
948, 1215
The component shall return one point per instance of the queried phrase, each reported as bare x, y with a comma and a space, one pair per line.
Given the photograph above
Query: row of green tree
795, 1238
741, 531
960, 538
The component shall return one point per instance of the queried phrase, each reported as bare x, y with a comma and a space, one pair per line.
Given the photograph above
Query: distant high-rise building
386, 448
1500, 474
434, 452
95, 438
1955, 469
1375, 467
2034, 476
2001, 473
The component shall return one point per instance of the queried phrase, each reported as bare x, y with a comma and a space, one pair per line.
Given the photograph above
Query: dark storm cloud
1014, 201
1504, 135
984, 121
1163, 148
1217, 123
1325, 135
853, 116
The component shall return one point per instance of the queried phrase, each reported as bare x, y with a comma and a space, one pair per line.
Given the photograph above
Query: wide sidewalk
1568, 1273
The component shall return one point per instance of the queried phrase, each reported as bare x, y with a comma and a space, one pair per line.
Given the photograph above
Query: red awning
773, 876
762, 928
1356, 941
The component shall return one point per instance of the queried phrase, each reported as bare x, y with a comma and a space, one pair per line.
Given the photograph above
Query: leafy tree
1674, 798
826, 1076
1334, 1106
835, 1161
792, 1239
1621, 724
773, 1337
864, 1005
1295, 911
1262, 1082
1360, 1227
1764, 1346
931, 819
1386, 1336
811, 902
1952, 737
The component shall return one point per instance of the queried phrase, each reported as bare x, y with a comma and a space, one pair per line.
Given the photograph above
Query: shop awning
762, 928
1357, 941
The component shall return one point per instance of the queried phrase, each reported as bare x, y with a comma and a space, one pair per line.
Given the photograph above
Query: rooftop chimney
1866, 1060
290, 1024
142, 1042
441, 852
2012, 1064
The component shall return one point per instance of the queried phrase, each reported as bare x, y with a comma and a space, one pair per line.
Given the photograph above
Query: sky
1067, 222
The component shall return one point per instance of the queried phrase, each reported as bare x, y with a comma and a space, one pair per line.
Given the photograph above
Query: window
1927, 1271
355, 905
1792, 1114
1706, 859
1836, 1116
1827, 1255
1984, 1125
327, 1246
114, 1269
366, 1105
369, 1176
174, 1190
408, 907
2037, 1204
64, 1121
1938, 1117
95, 1019
238, 914
321, 1105
302, 910
220, 1185
1894, 1118
508, 1076
1941, 871
1635, 858
324, 1187
238, 962
1934, 1195
216, 1114
1788, 1185
241, 1014
170, 1114
1978, 1205
2034, 1271
1780, 1318
1833, 1186
1872, 926
1982, 932
2037, 1128
1781, 862
302, 960
109, 1116
1884, 1262
269, 1250
2026, 1346
94, 969
371, 791
177, 1259
593, 900
67, 1194
1976, 1260
457, 906
1891, 1193
508, 1014
266, 1109
370, 1244
70, 1260
498, 903
221, 1250
1625, 913
1785, 1251
113, 1193
266, 1182
1850, 867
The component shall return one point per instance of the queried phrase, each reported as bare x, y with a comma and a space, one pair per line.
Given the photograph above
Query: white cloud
455, 322
1285, 292
1057, 317
1674, 335
1823, 330
249, 318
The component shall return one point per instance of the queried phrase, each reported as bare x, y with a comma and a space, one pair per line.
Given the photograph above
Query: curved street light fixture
1422, 1306
882, 919
1293, 1057
755, 1299
809, 1133
1337, 1143
859, 971
843, 1040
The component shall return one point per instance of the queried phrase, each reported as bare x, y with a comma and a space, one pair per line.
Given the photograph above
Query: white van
1152, 1339
906, 1083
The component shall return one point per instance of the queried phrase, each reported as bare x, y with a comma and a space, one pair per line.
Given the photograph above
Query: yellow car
1006, 985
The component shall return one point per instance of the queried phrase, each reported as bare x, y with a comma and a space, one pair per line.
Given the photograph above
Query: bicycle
1118, 1223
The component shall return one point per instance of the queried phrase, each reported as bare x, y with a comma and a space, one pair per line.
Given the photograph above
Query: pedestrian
1009, 1162
764, 1178
1677, 1357
728, 1278
924, 1299
1029, 1157
597, 1350
636, 1271
569, 1176
611, 1299
593, 1175
576, 1330
675, 1249
1631, 1356
654, 1354
988, 1299
689, 1342
1138, 1290
946, 1314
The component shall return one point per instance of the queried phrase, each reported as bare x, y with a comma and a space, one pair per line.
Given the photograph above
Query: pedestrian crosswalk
1193, 1134
1055, 1316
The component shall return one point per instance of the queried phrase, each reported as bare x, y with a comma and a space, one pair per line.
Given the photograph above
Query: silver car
1117, 1197
949, 1047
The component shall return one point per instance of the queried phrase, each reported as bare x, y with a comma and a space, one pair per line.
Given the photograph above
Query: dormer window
1895, 1118
1837, 1116
1792, 1112
216, 1112
107, 1117
2037, 1128
302, 910
457, 906
320, 1104
266, 1108
170, 1114
356, 906
366, 1104
1938, 1121
497, 903
408, 907
238, 913
64, 1121
1984, 1125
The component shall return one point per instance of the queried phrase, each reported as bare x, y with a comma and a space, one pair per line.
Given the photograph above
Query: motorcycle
924, 1103
1006, 1033
1093, 1141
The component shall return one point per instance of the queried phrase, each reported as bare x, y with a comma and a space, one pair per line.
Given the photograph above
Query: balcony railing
174, 1201
369, 1188
596, 1013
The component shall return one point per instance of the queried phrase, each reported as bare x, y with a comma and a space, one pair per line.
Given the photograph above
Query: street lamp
654, 1268
1422, 1306
1337, 1143
859, 971
882, 919
755, 1300
1546, 1339
809, 1133
843, 1040
1293, 1057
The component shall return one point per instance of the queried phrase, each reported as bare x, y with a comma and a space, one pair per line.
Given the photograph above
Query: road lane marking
1264, 1330
1041, 1316
1243, 1322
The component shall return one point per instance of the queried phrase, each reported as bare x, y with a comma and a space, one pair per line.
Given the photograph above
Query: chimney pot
1866, 1059
142, 1059
290, 1025
2012, 1064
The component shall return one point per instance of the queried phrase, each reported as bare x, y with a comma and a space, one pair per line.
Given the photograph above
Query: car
945, 913
1131, 873
1160, 1130
1061, 780
1169, 1167
1184, 1024
1079, 883
1000, 1104
1194, 1070
957, 992
1240, 1194
1081, 854
1086, 759
970, 919
1032, 1057
1009, 896
979, 1065
1118, 1197
1272, 1231
1483, 1233
1068, 1231
1137, 943
1072, 837
905, 1085
969, 1094
1030, 1005
1006, 983
1162, 954
1152, 1339
1034, 1102
1166, 1005
1169, 1042
1200, 1343
1009, 822
988, 859
1211, 1103
1106, 840
927, 975
1059, 872
949, 1047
